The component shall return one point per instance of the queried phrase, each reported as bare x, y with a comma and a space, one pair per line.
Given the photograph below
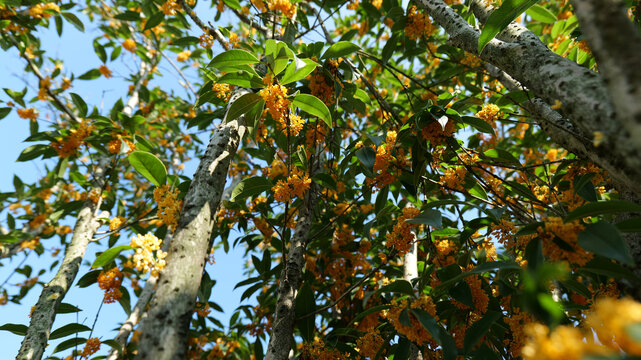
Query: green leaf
90, 75
73, 19
367, 157
17, 329
428, 217
154, 20
629, 225
108, 256
33, 152
242, 79
305, 304
541, 14
606, 267
313, 105
149, 166
398, 286
65, 308
244, 104
100, 51
429, 323
80, 104
501, 18
88, 279
602, 207
339, 49
604, 239
67, 344
502, 156
4, 112
250, 187
297, 70
234, 4
233, 58
68, 329
478, 124
185, 41
476, 332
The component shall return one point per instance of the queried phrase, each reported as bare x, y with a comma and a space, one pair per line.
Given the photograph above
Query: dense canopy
417, 179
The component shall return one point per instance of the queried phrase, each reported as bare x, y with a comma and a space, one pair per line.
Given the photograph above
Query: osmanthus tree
432, 179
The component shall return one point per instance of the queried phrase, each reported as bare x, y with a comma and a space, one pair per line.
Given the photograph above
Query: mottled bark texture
616, 45
583, 94
165, 330
44, 313
280, 340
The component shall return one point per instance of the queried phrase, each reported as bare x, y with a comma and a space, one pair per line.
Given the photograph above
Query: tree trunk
165, 330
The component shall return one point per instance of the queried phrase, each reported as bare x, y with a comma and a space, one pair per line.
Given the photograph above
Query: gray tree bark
44, 313
165, 330
583, 93
280, 340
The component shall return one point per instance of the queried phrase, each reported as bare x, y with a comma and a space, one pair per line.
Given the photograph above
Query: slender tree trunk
44, 313
280, 340
165, 330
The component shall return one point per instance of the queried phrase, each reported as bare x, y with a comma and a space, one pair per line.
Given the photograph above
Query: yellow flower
284, 6
129, 45
418, 25
183, 56
29, 113
168, 205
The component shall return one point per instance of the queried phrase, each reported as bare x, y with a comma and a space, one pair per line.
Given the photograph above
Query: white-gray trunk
165, 330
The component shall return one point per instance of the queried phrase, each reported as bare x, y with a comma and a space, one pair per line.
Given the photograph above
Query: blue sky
76, 50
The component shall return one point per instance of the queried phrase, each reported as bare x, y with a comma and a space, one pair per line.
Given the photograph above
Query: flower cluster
44, 88
437, 134
144, 260
568, 233
296, 185
369, 344
91, 347
183, 56
418, 25
490, 114
170, 7
284, 6
104, 70
415, 332
168, 205
70, 144
453, 179
402, 237
223, 91
321, 87
318, 351
275, 97
129, 45
110, 281
116, 223
43, 10
206, 41
29, 113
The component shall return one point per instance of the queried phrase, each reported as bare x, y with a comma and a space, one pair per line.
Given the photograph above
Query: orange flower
29, 113
104, 70
129, 45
